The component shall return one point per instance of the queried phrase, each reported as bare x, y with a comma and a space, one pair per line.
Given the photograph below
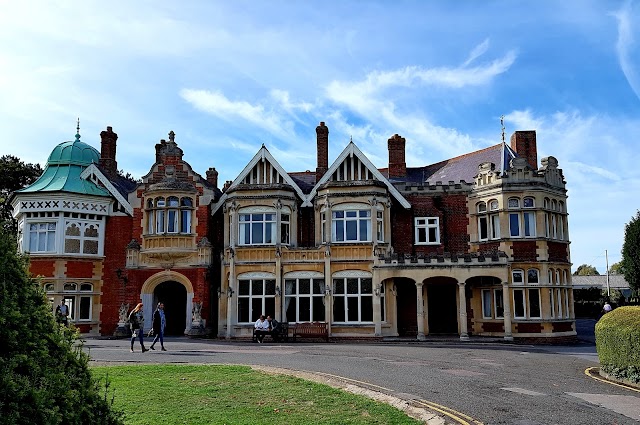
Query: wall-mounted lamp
230, 292
327, 290
122, 277
220, 292
376, 292
278, 291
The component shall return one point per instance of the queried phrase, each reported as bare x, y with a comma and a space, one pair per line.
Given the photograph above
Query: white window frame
246, 227
83, 226
487, 295
50, 235
529, 220
498, 293
522, 297
315, 295
426, 224
252, 278
518, 232
537, 278
362, 279
350, 213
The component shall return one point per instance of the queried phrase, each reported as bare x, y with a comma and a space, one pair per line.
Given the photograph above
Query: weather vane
78, 130
502, 125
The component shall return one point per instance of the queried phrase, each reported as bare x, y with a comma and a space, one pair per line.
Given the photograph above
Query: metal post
606, 257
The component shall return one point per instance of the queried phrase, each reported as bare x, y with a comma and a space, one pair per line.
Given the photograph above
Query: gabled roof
94, 170
463, 167
262, 155
616, 281
352, 150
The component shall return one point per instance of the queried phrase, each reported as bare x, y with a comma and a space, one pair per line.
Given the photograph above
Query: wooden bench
311, 330
283, 335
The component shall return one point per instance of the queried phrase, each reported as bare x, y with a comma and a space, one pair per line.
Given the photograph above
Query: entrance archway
174, 297
406, 296
442, 305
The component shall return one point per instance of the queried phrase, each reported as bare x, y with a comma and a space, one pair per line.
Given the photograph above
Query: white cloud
625, 45
283, 98
215, 103
478, 51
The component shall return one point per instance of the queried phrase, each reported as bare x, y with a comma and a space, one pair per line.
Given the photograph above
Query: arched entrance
174, 297
176, 292
406, 296
442, 305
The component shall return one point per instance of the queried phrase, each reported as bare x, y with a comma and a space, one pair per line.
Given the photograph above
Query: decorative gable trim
349, 151
92, 172
263, 155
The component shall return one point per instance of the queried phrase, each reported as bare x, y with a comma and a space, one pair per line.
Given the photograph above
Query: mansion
472, 245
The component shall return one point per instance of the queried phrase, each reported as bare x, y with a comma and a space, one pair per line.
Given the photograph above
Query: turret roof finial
502, 125
172, 136
78, 130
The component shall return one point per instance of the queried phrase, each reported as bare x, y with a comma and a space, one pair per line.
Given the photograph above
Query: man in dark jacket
159, 323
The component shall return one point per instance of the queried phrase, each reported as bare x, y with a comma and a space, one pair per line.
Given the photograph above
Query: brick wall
524, 251
558, 251
42, 267
452, 212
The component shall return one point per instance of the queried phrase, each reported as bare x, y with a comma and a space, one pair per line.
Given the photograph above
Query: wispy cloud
478, 51
217, 104
625, 45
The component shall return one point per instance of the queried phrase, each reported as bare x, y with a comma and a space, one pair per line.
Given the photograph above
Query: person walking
62, 313
136, 321
159, 323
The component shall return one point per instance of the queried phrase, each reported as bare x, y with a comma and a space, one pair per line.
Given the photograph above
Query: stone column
328, 297
377, 313
462, 316
420, 311
506, 299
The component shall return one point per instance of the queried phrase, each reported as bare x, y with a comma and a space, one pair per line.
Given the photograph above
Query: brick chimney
322, 133
524, 143
397, 163
108, 151
212, 177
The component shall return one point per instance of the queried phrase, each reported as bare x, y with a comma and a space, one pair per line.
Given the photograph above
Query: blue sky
230, 76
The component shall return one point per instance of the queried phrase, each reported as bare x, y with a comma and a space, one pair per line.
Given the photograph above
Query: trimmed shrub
618, 343
44, 374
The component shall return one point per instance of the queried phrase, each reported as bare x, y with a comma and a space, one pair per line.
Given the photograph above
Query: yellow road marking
588, 370
453, 414
459, 417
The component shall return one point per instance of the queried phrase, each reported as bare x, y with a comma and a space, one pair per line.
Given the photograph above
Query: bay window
169, 215
42, 237
351, 225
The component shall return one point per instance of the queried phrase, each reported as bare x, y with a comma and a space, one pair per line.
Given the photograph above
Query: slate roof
123, 185
305, 180
463, 167
616, 281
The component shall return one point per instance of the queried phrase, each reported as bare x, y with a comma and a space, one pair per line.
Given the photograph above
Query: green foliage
631, 252
44, 375
219, 394
618, 343
586, 270
616, 268
14, 175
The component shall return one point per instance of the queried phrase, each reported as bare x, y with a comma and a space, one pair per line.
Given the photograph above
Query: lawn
213, 394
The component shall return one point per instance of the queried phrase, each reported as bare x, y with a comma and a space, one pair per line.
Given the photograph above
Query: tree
44, 374
616, 268
631, 252
14, 175
585, 270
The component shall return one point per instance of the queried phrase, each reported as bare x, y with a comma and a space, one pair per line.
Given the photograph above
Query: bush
44, 375
618, 343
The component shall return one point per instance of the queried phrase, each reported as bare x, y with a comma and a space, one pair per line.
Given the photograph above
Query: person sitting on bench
261, 328
275, 327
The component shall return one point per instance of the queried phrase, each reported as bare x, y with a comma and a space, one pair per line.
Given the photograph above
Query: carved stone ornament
196, 312
123, 313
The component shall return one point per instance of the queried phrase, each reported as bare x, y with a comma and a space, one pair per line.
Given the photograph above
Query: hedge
618, 343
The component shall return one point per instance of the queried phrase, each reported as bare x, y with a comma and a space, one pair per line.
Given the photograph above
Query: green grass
181, 394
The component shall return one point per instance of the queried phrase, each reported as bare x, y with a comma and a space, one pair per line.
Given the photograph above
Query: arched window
352, 297
482, 207
304, 294
532, 276
351, 223
70, 287
514, 203
528, 202
86, 287
48, 287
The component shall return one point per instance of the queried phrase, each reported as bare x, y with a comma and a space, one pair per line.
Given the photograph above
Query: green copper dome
62, 173
74, 153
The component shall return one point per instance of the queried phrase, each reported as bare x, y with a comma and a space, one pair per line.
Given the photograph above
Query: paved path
494, 383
